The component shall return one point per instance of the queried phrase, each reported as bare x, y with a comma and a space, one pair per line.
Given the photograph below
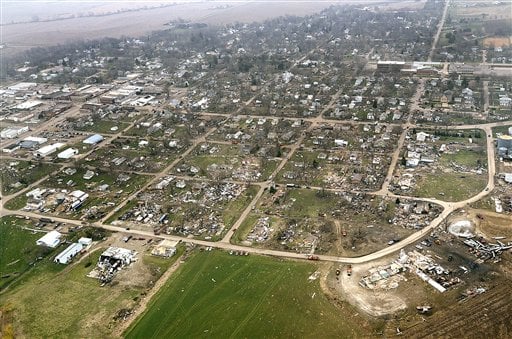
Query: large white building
13, 132
69, 253
50, 239
48, 149
68, 153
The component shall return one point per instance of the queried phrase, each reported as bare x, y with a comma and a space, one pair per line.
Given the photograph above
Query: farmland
23, 36
223, 296
471, 319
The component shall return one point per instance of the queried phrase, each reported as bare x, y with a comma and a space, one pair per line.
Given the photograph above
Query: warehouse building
68, 254
93, 139
48, 149
68, 153
50, 239
12, 132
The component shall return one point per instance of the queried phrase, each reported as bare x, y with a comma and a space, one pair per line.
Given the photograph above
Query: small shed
85, 241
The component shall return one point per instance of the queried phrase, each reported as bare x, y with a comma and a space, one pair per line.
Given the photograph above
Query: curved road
448, 209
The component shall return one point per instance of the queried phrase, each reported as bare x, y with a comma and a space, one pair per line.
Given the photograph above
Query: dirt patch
376, 303
137, 274
497, 42
491, 224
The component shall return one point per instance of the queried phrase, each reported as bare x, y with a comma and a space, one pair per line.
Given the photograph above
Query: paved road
439, 29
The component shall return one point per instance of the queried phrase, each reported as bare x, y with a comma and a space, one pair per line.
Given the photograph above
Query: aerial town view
256, 169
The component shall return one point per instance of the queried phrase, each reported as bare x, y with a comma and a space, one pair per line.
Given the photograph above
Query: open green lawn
309, 203
18, 249
66, 304
101, 177
222, 296
455, 186
501, 129
17, 202
244, 229
467, 158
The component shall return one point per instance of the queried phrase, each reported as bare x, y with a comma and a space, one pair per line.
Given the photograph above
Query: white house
505, 101
85, 241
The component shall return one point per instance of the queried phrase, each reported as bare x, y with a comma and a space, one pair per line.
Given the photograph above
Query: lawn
234, 208
501, 129
16, 203
222, 296
467, 158
309, 203
454, 186
18, 249
73, 299
244, 229
152, 158
101, 177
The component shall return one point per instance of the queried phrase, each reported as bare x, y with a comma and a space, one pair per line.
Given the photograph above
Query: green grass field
501, 129
17, 202
455, 186
309, 203
468, 158
62, 302
18, 249
104, 126
234, 208
222, 296
62, 305
244, 229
